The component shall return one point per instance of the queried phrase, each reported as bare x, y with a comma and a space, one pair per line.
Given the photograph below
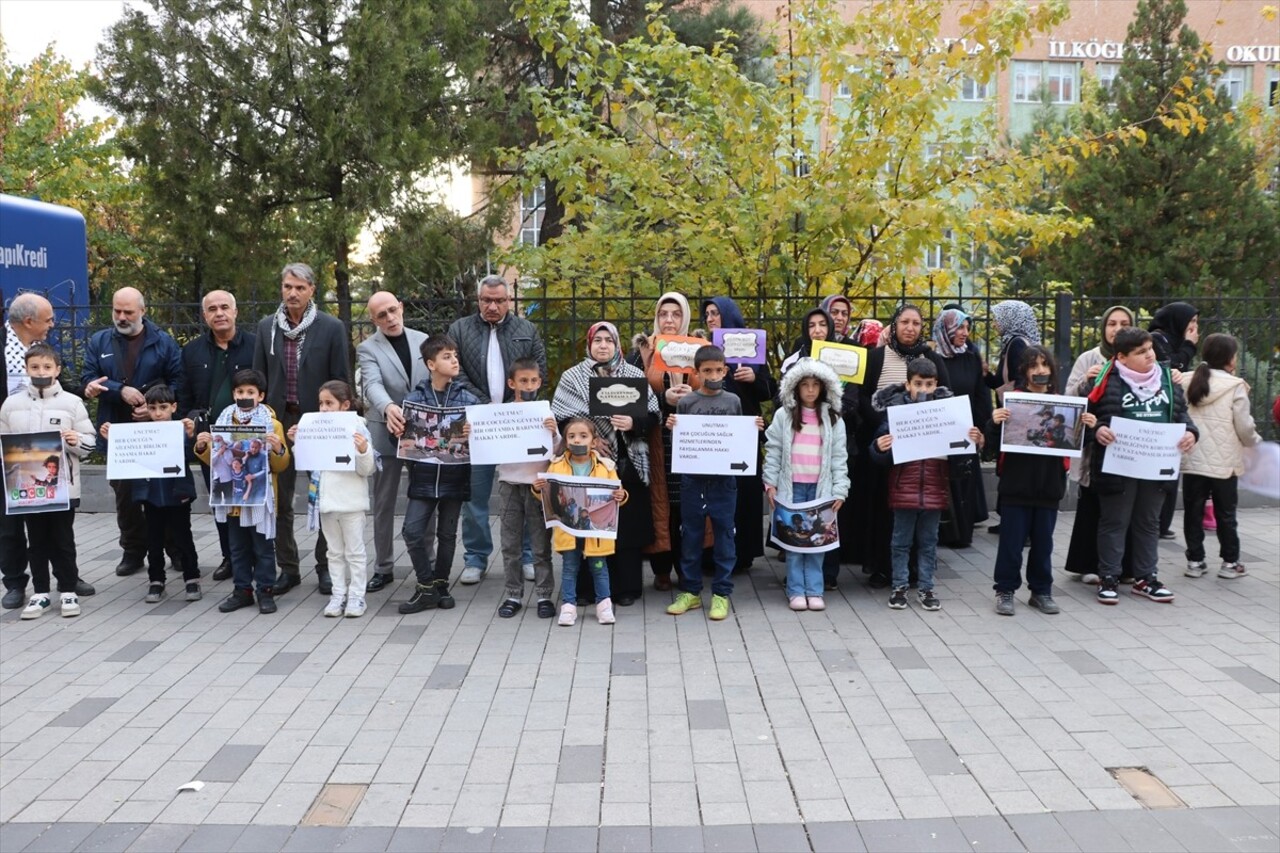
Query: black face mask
713, 384
41, 381
246, 403
527, 396
923, 397
579, 449
1039, 379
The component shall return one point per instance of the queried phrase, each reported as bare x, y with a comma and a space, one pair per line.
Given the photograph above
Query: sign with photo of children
33, 462
434, 434
581, 506
808, 527
239, 470
1043, 424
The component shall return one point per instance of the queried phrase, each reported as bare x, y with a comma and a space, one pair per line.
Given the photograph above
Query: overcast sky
74, 26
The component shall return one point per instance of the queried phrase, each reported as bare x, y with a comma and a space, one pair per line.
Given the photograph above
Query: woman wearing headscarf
623, 440
1175, 332
671, 317
840, 310
886, 366
968, 497
754, 385
1082, 553
1016, 322
816, 325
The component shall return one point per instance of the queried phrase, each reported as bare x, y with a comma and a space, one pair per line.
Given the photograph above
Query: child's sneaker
1045, 604
719, 608
1232, 570
1090, 578
604, 612
1004, 603
193, 591
1108, 591
355, 606
928, 600
70, 604
684, 602
155, 592
816, 602
337, 603
1196, 569
36, 607
568, 614
1152, 588
898, 598
798, 602
527, 571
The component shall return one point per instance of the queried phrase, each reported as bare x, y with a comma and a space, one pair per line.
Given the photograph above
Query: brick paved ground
857, 727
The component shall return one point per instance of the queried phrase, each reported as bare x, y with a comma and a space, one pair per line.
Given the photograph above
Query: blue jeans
253, 557
477, 538
920, 526
417, 522
1016, 524
804, 571
703, 497
569, 569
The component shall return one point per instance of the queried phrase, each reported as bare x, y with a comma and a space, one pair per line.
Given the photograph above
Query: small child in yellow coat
577, 458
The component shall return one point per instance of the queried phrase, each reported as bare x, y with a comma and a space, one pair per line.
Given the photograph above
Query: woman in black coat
1175, 333
968, 498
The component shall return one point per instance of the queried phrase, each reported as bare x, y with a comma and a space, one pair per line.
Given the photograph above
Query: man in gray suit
390, 367
299, 348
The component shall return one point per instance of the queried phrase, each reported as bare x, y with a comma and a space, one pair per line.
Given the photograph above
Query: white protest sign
325, 441
510, 432
146, 450
1144, 450
715, 444
932, 429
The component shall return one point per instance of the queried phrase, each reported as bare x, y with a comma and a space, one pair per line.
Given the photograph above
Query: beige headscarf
677, 298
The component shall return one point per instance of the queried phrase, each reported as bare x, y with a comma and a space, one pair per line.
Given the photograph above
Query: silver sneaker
1004, 603
1044, 603
1232, 570
1196, 568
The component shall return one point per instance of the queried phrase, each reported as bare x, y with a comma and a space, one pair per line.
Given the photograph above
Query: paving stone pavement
856, 728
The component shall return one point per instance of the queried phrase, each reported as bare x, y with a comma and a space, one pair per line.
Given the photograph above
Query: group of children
805, 460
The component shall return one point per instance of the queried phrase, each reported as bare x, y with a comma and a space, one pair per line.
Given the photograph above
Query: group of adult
299, 347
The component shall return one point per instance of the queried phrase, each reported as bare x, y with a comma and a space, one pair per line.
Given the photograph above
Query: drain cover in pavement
1143, 785
334, 805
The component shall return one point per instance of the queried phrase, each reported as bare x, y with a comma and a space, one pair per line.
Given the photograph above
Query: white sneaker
355, 606
568, 614
798, 602
336, 602
1091, 579
527, 568
471, 575
1232, 570
1195, 569
604, 611
70, 604
36, 607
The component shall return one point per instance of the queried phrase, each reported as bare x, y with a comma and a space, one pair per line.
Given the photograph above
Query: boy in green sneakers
704, 496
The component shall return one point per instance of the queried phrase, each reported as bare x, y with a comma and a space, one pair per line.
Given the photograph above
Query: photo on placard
582, 506
239, 465
805, 528
33, 472
1043, 424
434, 434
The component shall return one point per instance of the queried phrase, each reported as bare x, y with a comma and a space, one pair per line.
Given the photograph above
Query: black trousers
1196, 490
132, 522
13, 550
170, 524
1170, 503
51, 538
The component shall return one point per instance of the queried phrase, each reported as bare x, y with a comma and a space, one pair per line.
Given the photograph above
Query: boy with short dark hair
522, 510
707, 496
436, 489
251, 530
918, 490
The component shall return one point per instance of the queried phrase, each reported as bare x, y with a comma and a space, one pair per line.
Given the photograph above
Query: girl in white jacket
340, 499
1218, 403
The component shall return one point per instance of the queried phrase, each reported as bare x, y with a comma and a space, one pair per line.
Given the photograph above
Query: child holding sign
919, 490
805, 459
338, 502
1031, 487
1134, 386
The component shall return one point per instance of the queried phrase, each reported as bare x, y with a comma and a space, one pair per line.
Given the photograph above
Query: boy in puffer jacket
919, 490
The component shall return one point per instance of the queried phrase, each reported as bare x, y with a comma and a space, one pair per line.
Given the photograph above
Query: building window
843, 90
1026, 81
973, 90
1273, 85
1106, 73
1063, 82
1233, 83
939, 257
533, 206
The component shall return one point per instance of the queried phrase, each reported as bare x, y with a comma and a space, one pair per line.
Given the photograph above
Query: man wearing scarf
298, 349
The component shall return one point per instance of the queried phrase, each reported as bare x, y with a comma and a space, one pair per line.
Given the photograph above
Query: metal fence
1069, 322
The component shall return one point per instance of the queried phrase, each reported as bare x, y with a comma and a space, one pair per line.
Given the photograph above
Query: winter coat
1226, 427
517, 339
198, 359
869, 415
159, 361
169, 491
431, 480
833, 479
324, 357
563, 540
1027, 479
922, 484
348, 491
276, 462
1106, 402
31, 411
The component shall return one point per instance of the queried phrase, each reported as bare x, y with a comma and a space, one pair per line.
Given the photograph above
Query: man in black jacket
298, 349
208, 363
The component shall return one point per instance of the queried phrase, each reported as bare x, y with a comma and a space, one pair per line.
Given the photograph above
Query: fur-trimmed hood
896, 395
811, 367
